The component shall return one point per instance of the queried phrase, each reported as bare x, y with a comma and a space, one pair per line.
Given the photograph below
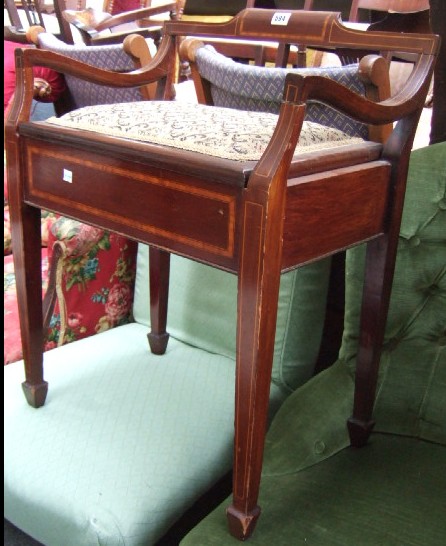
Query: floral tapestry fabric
48, 218
94, 281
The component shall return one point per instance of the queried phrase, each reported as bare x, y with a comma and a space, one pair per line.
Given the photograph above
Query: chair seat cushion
204, 317
125, 443
220, 132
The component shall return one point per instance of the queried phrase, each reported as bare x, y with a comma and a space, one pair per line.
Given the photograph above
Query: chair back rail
323, 29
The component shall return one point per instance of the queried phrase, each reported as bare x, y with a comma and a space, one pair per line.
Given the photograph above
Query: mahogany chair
103, 27
106, 26
117, 57
23, 14
257, 206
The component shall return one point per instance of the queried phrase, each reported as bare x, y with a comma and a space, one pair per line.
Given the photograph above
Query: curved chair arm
121, 57
300, 88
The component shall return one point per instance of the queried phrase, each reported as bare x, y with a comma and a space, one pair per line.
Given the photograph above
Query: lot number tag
280, 19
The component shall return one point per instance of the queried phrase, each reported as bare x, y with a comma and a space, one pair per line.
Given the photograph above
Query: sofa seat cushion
125, 443
210, 130
346, 500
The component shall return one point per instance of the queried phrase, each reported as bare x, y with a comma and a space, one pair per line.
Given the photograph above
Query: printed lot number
280, 18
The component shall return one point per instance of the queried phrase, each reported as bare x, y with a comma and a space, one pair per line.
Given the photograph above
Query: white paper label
280, 18
67, 176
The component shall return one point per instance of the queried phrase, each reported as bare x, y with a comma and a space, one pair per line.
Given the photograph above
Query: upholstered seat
209, 130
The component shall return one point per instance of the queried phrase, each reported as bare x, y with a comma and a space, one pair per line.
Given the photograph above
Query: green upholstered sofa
127, 441
315, 488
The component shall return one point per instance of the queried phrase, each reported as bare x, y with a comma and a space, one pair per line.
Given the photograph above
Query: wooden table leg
257, 311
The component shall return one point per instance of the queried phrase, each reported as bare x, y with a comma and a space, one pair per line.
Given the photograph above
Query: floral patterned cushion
95, 285
48, 218
94, 281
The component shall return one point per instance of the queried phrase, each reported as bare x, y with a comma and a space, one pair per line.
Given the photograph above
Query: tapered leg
260, 261
25, 224
27, 245
378, 278
159, 270
379, 268
257, 311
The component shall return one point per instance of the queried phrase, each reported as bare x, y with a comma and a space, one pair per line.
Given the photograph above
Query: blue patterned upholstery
111, 57
254, 88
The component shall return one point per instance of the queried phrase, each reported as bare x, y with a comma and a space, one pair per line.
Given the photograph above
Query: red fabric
56, 80
5, 183
120, 6
97, 284
97, 289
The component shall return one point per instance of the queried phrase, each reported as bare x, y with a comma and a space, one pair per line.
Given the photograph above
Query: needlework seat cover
317, 490
210, 130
